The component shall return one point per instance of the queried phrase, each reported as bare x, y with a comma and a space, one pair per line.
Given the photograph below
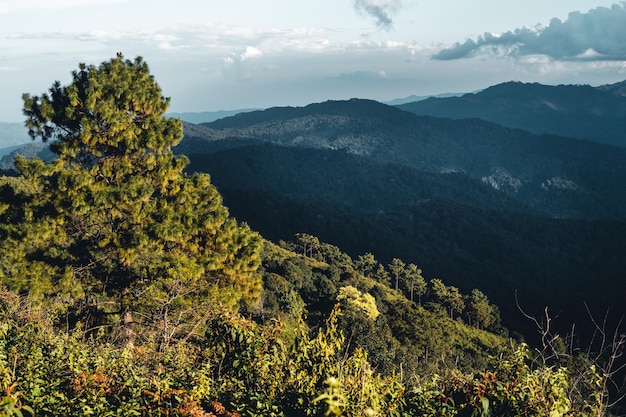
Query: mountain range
554, 175
537, 216
516, 199
207, 116
577, 111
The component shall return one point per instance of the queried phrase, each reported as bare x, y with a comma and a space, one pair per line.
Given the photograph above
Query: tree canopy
115, 220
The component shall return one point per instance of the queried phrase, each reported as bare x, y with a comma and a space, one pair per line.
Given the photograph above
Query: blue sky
233, 54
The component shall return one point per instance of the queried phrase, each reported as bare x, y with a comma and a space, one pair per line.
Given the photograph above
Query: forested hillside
129, 289
560, 176
449, 224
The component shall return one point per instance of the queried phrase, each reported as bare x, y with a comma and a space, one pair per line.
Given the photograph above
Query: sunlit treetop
109, 110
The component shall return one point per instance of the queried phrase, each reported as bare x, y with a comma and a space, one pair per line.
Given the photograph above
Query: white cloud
229, 60
596, 35
251, 53
220, 41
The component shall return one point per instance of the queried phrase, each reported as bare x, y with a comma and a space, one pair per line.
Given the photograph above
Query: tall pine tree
116, 227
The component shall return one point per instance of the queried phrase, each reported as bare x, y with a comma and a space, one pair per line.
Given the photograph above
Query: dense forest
516, 214
452, 226
557, 176
129, 289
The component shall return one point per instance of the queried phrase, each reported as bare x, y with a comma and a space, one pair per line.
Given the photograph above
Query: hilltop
577, 111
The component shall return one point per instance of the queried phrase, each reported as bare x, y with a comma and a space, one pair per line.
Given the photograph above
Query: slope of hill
370, 177
467, 200
340, 178
559, 176
29, 150
413, 98
448, 224
578, 111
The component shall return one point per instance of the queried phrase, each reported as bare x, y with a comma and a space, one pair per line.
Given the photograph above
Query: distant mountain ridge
578, 111
413, 98
207, 116
560, 176
371, 178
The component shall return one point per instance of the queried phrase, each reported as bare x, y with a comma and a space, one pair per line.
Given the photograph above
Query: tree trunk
128, 334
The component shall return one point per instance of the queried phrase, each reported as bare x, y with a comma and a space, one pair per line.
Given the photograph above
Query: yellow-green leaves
356, 304
116, 210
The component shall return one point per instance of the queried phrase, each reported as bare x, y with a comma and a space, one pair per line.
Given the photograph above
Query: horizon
246, 54
10, 138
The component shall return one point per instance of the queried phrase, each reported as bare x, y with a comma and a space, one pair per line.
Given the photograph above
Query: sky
210, 55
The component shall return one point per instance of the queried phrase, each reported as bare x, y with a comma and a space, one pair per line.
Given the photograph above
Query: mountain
414, 98
578, 111
558, 176
480, 205
475, 203
207, 116
29, 150
450, 225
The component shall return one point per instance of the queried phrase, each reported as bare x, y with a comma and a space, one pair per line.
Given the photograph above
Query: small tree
438, 291
116, 218
397, 270
417, 283
381, 275
308, 243
479, 310
454, 301
366, 264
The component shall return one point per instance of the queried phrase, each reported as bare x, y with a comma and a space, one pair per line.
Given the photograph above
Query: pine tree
417, 283
397, 270
366, 264
117, 218
479, 309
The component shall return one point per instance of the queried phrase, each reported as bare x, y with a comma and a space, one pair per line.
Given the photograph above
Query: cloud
379, 10
251, 53
360, 76
594, 36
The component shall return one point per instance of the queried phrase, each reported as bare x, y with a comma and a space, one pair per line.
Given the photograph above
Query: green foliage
452, 227
116, 230
416, 282
479, 309
333, 397
390, 328
366, 264
255, 370
397, 270
112, 240
511, 388
356, 305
